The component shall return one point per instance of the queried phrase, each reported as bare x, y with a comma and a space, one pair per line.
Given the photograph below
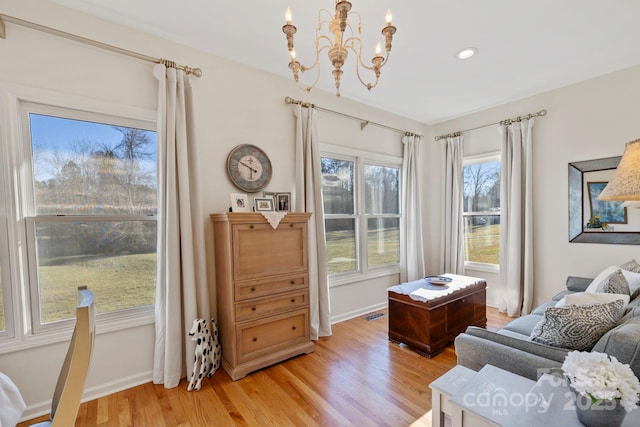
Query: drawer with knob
268, 306
264, 336
265, 287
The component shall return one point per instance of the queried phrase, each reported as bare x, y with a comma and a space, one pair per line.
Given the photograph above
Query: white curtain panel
412, 249
516, 225
309, 199
451, 223
182, 293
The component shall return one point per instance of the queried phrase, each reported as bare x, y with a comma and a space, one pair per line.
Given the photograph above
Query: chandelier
338, 47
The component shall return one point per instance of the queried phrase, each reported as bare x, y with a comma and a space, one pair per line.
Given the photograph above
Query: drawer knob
293, 282
253, 309
253, 289
255, 339
293, 328
252, 226
293, 300
291, 225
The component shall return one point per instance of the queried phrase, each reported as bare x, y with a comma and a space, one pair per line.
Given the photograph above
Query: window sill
103, 326
479, 266
350, 278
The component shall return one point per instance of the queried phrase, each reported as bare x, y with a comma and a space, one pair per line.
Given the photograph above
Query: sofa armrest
479, 347
578, 284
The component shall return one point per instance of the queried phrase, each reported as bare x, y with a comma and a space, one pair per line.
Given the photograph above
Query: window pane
85, 168
341, 245
383, 241
482, 238
482, 187
381, 192
337, 186
117, 260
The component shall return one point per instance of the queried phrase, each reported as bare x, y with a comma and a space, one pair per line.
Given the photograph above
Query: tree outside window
481, 215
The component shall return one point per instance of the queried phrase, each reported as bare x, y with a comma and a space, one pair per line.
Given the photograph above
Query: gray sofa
510, 348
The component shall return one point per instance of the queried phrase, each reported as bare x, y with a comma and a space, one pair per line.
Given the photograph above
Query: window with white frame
362, 213
481, 211
89, 201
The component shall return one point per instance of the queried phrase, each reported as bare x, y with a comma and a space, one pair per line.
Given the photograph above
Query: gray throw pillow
576, 327
631, 266
615, 283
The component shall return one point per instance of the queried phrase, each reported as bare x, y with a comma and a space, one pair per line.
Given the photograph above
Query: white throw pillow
633, 279
601, 277
582, 298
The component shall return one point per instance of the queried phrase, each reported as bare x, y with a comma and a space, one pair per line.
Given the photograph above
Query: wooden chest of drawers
262, 290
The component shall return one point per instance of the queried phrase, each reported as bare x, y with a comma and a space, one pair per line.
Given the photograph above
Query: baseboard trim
91, 393
359, 312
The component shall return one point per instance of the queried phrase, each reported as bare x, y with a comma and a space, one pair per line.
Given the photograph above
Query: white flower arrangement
601, 377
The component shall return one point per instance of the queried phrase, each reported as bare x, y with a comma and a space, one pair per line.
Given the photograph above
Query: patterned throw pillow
631, 266
615, 283
576, 327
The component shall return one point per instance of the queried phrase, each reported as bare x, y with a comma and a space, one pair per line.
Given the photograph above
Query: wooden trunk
429, 326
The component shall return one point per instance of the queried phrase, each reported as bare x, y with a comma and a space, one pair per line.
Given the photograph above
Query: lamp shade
625, 185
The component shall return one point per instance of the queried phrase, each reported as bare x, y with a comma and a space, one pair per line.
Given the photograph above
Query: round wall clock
249, 168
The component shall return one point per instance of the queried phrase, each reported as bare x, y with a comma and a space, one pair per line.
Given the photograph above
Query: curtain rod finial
364, 125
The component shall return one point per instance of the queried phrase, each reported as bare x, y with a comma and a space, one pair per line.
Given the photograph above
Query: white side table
490, 398
442, 389
553, 403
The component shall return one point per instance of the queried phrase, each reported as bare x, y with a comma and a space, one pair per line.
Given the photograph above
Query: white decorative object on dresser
262, 286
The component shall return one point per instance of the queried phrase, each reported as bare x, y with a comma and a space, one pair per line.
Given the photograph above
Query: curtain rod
501, 122
197, 72
363, 122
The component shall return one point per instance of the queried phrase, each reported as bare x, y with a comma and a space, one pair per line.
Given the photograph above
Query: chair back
68, 392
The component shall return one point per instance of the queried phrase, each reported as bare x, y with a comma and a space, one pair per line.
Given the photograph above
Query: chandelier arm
317, 60
358, 53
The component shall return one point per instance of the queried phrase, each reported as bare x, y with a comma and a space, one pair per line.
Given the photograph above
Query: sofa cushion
533, 348
615, 283
522, 325
632, 265
601, 277
542, 307
634, 282
577, 284
623, 343
576, 327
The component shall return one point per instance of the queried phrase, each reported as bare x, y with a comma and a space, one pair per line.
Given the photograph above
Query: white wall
234, 105
588, 120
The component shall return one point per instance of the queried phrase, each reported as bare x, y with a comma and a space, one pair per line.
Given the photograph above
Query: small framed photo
283, 202
239, 203
263, 204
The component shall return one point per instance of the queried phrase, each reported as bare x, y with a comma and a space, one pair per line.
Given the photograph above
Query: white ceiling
525, 47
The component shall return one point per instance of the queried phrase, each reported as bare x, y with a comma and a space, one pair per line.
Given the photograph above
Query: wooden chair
68, 392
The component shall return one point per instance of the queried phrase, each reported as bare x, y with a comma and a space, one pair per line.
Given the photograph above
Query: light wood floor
356, 377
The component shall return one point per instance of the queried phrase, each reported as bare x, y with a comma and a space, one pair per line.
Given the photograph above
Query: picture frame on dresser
283, 202
263, 204
239, 203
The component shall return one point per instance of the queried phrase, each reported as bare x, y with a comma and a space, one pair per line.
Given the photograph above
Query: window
362, 213
90, 212
482, 210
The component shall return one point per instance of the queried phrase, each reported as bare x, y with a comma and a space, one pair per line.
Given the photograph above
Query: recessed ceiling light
467, 53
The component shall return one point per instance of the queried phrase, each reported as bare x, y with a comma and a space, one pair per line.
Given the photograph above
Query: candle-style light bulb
287, 16
378, 49
389, 17
293, 54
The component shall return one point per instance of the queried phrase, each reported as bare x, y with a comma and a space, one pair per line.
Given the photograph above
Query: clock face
249, 168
